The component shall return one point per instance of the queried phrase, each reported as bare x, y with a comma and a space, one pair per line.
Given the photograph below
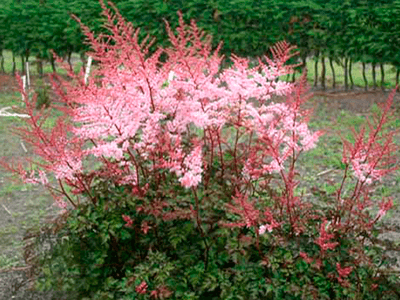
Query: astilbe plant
198, 165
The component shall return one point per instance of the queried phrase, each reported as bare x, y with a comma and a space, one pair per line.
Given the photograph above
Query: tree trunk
39, 66
316, 69
27, 60
83, 60
53, 64
2, 70
382, 77
346, 77
69, 60
14, 66
333, 72
350, 74
397, 79
374, 76
2, 65
294, 76
323, 73
23, 64
364, 77
304, 62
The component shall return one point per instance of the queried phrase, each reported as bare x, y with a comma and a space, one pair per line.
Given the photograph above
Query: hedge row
343, 31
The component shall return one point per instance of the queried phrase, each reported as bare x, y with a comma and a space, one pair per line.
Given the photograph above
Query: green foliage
363, 31
42, 91
97, 256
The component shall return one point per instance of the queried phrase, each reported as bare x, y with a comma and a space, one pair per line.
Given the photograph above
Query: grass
327, 156
23, 207
10, 99
9, 189
7, 261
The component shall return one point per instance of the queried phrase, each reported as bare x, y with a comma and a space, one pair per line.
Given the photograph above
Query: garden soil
19, 203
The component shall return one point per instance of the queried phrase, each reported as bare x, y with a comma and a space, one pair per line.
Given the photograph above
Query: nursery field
24, 208
359, 84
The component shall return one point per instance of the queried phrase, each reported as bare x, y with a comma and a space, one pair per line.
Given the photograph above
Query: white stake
23, 146
5, 113
27, 75
23, 86
89, 64
6, 209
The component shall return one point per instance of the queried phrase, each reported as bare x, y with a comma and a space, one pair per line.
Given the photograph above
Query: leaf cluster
96, 256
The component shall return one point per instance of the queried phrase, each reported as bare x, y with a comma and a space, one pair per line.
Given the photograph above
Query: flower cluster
324, 238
